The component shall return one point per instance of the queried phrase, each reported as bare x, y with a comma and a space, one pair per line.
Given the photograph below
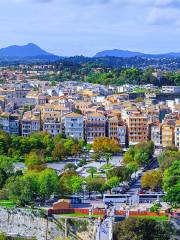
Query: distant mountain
129, 54
30, 50
172, 54
118, 53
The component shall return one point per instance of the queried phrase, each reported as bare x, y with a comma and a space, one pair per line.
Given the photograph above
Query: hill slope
29, 50
118, 53
129, 54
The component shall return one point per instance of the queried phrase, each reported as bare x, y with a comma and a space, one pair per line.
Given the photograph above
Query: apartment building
48, 108
74, 125
14, 124
177, 134
152, 115
52, 122
83, 106
4, 121
95, 126
168, 134
38, 98
35, 121
122, 134
31, 122
137, 128
10, 123
117, 130
156, 133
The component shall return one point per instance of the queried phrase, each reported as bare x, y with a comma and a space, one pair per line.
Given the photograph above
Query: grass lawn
139, 90
107, 167
156, 218
80, 215
7, 203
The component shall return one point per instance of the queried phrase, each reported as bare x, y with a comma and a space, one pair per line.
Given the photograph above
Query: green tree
133, 167
23, 189
70, 166
68, 146
108, 157
2, 237
35, 160
5, 141
156, 208
76, 149
141, 157
76, 183
95, 185
92, 171
166, 159
152, 180
141, 154
171, 183
112, 182
48, 183
65, 182
142, 229
6, 169
82, 162
96, 157
121, 172
104, 145
59, 153
129, 156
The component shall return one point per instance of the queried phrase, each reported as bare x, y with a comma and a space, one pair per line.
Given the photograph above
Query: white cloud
163, 16
168, 3
165, 12
86, 26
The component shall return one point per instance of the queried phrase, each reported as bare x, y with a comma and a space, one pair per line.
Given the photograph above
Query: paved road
116, 161
137, 185
59, 166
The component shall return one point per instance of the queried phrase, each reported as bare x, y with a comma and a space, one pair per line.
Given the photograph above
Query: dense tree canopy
152, 180
141, 154
122, 173
103, 145
110, 70
171, 183
142, 229
167, 158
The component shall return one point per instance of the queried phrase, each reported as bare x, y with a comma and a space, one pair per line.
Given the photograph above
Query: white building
53, 128
122, 134
156, 134
177, 134
170, 89
74, 125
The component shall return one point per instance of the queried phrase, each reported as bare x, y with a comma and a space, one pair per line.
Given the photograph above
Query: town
129, 114
85, 151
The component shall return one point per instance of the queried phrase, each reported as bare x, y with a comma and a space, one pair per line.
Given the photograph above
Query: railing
139, 213
77, 210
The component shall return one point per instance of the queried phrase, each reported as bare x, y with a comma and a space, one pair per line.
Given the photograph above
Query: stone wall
27, 223
33, 223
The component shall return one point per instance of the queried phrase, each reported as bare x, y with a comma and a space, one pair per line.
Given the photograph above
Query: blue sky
75, 27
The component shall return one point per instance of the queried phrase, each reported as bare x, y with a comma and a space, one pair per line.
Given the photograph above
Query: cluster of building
87, 111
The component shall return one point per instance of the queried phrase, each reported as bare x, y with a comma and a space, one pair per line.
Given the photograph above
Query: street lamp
84, 184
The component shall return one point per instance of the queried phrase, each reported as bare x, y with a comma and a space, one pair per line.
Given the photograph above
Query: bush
82, 162
155, 208
142, 229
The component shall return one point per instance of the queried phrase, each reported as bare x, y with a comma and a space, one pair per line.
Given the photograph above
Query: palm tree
108, 157
92, 171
